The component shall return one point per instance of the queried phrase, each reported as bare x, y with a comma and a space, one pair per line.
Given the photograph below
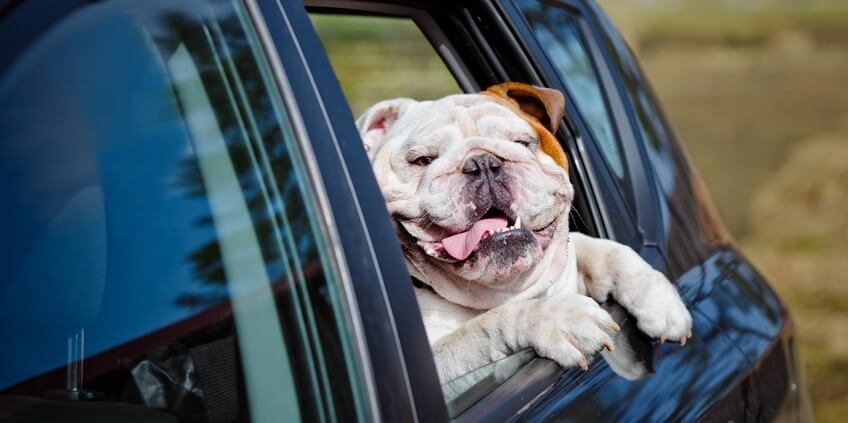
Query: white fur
548, 299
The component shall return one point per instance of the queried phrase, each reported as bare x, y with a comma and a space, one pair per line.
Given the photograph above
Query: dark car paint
739, 366
726, 299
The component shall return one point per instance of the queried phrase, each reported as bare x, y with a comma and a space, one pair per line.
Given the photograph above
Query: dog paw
659, 311
568, 330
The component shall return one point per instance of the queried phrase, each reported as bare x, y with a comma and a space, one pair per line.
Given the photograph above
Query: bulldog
478, 188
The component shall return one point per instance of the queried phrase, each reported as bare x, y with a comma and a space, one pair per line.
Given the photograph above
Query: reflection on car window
559, 33
466, 390
163, 252
377, 58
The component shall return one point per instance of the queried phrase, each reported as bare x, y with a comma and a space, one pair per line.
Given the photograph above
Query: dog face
475, 199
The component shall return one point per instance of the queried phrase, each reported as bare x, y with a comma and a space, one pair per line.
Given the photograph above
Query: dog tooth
517, 223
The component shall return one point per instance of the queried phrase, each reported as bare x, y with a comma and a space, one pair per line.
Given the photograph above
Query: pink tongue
461, 245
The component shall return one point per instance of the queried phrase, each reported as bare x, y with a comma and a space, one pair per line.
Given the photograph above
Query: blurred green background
757, 91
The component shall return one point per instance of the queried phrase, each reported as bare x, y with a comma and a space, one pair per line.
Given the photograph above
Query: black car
192, 231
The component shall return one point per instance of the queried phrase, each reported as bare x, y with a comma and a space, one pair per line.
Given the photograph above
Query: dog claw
690, 334
662, 339
683, 341
616, 327
609, 346
583, 366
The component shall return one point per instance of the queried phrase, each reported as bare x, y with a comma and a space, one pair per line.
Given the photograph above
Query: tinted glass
163, 254
693, 227
558, 31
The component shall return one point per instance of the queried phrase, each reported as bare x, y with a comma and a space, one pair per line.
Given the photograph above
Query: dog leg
609, 268
567, 329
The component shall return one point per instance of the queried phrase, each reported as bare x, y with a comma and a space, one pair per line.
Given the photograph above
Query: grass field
758, 97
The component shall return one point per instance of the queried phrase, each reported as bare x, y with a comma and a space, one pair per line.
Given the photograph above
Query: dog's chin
501, 257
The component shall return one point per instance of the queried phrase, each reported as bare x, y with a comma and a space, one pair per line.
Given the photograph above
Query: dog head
477, 186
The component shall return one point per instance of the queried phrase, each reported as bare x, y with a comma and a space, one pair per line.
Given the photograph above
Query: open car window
403, 52
378, 58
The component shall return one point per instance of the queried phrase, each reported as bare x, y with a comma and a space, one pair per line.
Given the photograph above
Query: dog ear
544, 104
378, 119
542, 107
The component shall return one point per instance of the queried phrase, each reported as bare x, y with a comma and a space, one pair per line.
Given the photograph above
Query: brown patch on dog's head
541, 107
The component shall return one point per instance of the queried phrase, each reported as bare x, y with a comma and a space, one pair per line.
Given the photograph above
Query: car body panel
725, 293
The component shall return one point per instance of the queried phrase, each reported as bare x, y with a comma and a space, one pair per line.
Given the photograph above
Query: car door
619, 200
688, 382
493, 52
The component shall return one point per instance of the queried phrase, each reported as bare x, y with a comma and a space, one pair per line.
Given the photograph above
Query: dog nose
482, 163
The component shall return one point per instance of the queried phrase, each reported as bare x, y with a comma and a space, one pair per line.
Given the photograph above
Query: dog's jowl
478, 188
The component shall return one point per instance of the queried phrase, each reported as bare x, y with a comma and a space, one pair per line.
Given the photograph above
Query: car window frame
519, 405
391, 336
509, 398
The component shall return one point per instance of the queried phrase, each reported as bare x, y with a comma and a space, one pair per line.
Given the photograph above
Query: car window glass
466, 390
163, 255
562, 40
680, 186
378, 58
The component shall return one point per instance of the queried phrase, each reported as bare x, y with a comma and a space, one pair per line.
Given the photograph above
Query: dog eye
525, 143
423, 160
